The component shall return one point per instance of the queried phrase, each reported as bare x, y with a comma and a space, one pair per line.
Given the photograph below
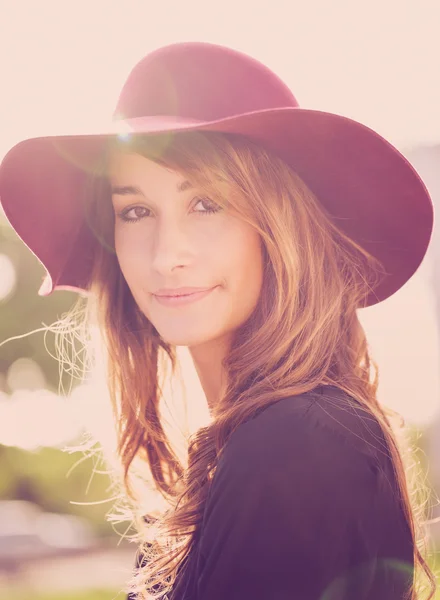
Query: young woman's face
165, 237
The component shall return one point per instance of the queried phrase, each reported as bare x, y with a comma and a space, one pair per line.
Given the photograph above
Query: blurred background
62, 65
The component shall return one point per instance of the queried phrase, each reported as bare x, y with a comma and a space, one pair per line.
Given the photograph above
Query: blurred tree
426, 159
46, 478
23, 310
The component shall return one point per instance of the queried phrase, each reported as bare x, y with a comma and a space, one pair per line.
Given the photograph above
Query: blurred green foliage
86, 595
46, 476
25, 311
43, 477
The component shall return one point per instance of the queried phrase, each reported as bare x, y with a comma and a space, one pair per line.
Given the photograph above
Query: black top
303, 506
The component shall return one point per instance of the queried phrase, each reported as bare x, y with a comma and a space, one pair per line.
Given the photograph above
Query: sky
62, 65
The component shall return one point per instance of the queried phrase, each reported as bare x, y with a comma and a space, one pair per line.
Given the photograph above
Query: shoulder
309, 427
296, 486
294, 453
299, 449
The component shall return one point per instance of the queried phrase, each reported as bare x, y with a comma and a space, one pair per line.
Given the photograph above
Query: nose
170, 247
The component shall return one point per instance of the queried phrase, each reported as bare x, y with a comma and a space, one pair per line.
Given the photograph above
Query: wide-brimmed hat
367, 186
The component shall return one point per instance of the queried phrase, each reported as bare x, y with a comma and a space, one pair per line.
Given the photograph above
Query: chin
188, 340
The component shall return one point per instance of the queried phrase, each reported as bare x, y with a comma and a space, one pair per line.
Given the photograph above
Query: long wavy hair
304, 332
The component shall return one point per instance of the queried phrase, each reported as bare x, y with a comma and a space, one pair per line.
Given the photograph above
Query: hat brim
372, 192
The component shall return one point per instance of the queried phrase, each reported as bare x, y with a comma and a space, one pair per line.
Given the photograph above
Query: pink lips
181, 291
183, 299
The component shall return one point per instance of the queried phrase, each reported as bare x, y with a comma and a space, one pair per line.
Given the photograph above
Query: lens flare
370, 578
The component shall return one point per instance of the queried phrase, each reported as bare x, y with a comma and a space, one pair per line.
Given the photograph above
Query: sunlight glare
8, 278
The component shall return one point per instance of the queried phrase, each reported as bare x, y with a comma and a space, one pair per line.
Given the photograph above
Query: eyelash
123, 214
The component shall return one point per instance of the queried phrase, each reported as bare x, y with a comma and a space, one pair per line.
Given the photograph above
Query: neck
208, 359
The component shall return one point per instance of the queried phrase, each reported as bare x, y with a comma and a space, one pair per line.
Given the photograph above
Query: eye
212, 207
133, 214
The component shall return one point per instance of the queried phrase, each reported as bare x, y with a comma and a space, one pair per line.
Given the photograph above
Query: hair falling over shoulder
304, 332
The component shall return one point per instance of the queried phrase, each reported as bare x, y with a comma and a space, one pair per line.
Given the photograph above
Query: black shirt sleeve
297, 512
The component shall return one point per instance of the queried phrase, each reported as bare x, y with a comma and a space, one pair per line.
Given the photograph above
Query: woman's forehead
129, 161
133, 168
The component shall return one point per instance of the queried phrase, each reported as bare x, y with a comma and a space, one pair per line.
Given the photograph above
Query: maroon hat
372, 192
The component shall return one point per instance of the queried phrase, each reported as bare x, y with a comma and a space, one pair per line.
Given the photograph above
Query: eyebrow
130, 190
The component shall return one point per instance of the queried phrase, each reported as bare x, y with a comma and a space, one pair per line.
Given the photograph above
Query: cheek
254, 267
129, 254
246, 269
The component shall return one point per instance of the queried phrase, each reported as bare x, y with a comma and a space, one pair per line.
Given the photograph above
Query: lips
182, 299
181, 292
177, 295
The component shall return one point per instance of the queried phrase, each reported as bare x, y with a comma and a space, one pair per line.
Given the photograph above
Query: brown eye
133, 214
210, 206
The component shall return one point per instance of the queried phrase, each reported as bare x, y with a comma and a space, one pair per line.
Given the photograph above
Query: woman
288, 220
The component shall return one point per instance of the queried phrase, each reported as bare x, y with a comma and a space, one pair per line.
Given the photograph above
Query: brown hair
304, 332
